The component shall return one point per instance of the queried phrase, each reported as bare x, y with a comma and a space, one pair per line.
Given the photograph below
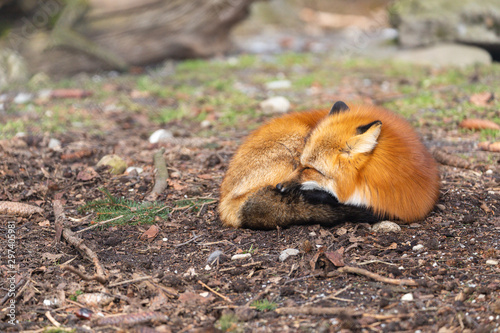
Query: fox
358, 163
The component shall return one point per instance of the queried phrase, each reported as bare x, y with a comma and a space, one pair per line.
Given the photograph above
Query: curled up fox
354, 163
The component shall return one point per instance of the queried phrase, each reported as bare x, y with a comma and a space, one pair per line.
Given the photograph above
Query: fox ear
366, 138
338, 107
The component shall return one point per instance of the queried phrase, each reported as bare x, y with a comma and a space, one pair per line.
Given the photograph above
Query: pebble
136, 169
489, 172
277, 104
407, 297
54, 144
279, 84
241, 256
418, 247
22, 98
160, 135
117, 164
441, 207
286, 253
493, 262
386, 226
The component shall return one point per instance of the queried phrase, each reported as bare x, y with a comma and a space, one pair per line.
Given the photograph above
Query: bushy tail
269, 208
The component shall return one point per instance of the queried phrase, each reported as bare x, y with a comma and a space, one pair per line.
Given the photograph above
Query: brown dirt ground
458, 290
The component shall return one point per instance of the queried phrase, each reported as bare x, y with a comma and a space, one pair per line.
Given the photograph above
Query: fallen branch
142, 278
377, 277
18, 209
227, 299
335, 311
85, 251
316, 311
84, 276
160, 176
60, 218
132, 319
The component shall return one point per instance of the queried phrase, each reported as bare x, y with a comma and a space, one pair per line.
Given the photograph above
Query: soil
165, 284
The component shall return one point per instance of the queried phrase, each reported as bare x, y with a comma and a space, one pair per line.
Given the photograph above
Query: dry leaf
393, 246
315, 258
87, 174
336, 257
44, 223
151, 233
205, 176
478, 124
485, 207
481, 99
176, 185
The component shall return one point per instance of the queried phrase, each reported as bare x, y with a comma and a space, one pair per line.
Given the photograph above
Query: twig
161, 175
142, 278
52, 320
84, 276
215, 292
316, 311
387, 316
377, 277
376, 261
71, 238
60, 218
98, 224
189, 241
21, 282
245, 265
303, 277
131, 319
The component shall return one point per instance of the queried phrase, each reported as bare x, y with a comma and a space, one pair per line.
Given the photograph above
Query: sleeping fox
357, 163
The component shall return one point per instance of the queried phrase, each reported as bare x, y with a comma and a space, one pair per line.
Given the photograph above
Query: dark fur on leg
269, 208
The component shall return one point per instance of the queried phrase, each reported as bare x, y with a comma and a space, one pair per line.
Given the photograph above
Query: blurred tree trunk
63, 37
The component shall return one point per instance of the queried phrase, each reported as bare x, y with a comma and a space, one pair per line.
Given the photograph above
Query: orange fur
385, 168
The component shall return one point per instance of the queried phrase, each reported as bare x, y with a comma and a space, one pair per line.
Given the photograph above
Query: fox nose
279, 187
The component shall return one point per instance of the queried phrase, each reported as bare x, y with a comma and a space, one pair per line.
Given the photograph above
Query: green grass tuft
133, 212
264, 305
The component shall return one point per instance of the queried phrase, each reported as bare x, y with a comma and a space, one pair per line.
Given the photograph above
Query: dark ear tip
339, 107
364, 128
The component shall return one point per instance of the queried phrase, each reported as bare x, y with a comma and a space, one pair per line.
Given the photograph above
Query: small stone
286, 253
206, 123
407, 297
54, 144
386, 226
279, 84
160, 135
488, 172
23, 98
418, 247
441, 207
134, 169
241, 256
492, 262
117, 164
277, 104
